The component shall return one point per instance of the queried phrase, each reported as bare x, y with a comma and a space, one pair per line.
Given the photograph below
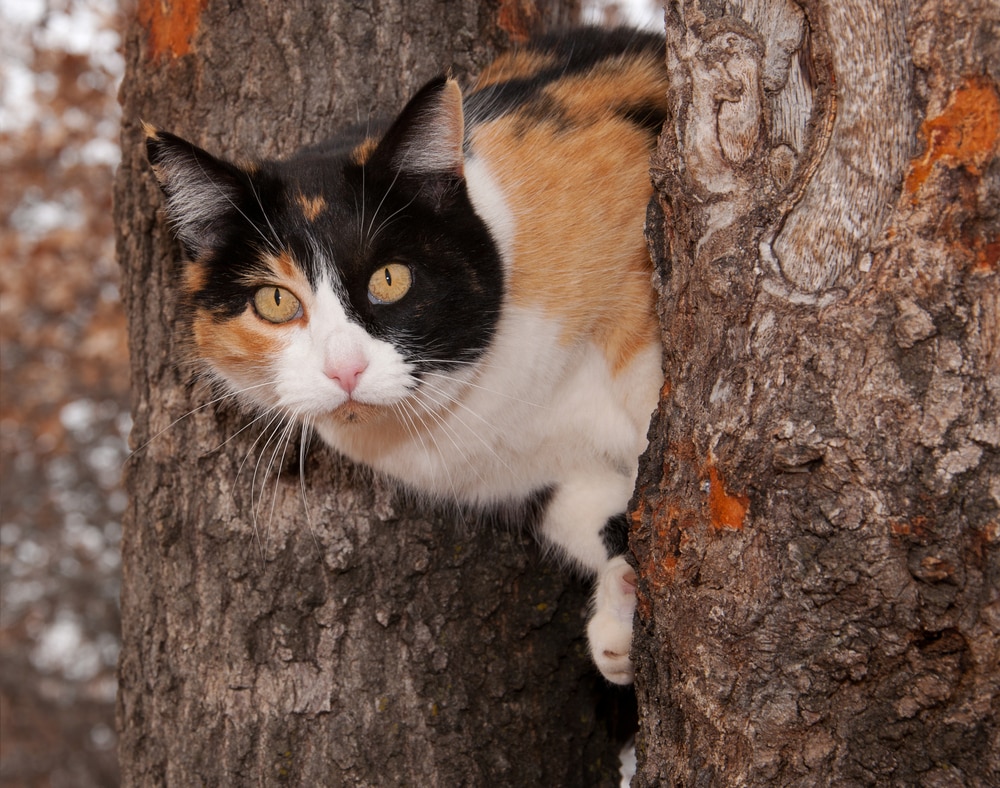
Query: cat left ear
202, 191
426, 139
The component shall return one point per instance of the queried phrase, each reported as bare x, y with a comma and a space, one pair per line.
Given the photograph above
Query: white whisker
411, 405
229, 199
406, 410
361, 213
179, 419
274, 233
253, 481
449, 399
304, 436
452, 434
275, 415
245, 427
385, 222
487, 389
283, 441
378, 208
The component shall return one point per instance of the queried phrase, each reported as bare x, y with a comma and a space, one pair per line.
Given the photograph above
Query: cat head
337, 280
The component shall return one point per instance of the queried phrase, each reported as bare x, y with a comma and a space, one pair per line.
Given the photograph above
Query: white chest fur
531, 414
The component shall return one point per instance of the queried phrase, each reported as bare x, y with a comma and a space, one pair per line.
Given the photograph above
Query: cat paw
610, 628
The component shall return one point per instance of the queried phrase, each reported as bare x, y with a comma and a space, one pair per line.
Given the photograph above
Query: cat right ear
202, 191
426, 139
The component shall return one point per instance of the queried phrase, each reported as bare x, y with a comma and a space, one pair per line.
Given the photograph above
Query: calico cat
464, 302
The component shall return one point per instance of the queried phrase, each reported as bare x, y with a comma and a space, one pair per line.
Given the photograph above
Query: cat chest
527, 423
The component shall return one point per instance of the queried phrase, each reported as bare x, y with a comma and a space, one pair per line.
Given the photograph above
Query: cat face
332, 282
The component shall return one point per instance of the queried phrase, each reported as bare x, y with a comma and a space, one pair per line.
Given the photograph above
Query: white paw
610, 628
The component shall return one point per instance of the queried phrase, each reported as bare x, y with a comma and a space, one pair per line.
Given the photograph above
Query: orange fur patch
241, 345
513, 65
580, 206
311, 206
195, 277
609, 84
357, 413
363, 152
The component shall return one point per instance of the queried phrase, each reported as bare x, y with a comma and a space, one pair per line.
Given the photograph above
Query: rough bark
817, 526
335, 635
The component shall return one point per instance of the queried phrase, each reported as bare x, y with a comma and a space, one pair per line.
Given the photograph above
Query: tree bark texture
331, 634
816, 526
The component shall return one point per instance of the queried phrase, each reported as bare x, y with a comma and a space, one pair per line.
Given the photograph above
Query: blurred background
63, 392
64, 418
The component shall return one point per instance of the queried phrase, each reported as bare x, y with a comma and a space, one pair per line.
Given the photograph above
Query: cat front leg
584, 520
609, 630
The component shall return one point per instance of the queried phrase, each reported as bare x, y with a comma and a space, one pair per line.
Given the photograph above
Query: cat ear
426, 139
202, 191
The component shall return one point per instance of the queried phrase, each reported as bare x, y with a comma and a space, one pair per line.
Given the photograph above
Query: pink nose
346, 374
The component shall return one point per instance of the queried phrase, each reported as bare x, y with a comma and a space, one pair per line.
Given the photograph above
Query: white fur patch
610, 628
328, 339
491, 205
531, 414
589, 497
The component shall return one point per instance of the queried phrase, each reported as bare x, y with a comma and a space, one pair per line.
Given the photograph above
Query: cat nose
346, 374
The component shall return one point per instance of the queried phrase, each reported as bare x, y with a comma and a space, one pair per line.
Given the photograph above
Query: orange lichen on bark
725, 510
661, 573
517, 18
987, 257
915, 527
660, 564
964, 135
170, 25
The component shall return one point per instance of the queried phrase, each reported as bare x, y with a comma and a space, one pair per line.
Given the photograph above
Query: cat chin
353, 412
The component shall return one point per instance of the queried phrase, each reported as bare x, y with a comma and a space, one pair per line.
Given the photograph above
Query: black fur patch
573, 54
614, 534
646, 116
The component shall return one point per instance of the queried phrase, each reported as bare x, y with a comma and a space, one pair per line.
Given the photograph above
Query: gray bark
818, 518
335, 635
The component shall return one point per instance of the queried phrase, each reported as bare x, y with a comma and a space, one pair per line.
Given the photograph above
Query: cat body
463, 303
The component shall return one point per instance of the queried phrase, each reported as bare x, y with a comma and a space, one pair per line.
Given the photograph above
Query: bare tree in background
329, 635
817, 525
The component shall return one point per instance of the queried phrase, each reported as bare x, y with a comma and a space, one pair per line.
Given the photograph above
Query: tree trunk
328, 635
816, 525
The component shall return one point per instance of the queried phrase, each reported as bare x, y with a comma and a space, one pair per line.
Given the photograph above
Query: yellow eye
275, 304
389, 283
